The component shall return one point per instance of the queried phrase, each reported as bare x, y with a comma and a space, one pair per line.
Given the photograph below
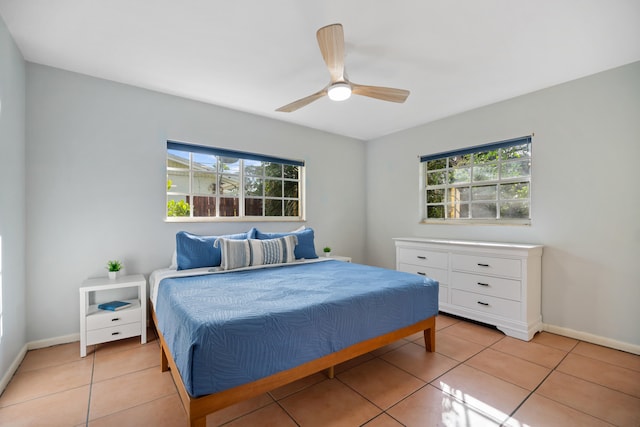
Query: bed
229, 335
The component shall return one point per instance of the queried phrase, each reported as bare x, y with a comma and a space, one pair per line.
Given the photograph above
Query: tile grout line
93, 365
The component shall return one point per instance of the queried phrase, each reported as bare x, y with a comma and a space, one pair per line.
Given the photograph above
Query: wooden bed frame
197, 408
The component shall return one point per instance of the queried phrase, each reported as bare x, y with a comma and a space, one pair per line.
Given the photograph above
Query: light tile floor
477, 377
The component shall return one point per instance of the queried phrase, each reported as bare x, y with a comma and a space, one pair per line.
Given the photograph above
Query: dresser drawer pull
483, 284
483, 303
115, 319
421, 257
421, 273
483, 265
115, 333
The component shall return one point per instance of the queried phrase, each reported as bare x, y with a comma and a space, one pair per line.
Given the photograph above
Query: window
206, 183
487, 183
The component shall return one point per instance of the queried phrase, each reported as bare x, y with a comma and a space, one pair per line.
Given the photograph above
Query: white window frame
190, 193
447, 205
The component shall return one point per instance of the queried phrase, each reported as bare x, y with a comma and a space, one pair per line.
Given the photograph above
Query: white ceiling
257, 55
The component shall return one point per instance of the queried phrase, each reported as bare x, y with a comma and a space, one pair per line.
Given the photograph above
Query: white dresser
494, 283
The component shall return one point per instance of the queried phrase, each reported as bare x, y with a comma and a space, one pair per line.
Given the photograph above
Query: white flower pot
113, 275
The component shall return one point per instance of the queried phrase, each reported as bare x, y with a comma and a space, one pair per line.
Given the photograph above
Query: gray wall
12, 201
585, 194
96, 183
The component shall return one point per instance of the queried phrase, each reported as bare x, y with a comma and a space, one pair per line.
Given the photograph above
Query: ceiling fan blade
331, 42
302, 102
379, 92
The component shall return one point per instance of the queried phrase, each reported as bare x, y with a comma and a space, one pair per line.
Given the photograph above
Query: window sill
516, 222
184, 219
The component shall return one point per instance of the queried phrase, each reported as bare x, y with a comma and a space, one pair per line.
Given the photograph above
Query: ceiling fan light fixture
339, 91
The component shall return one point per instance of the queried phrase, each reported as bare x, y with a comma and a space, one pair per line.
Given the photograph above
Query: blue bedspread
228, 329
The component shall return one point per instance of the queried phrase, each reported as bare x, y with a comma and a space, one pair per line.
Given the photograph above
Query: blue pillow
305, 247
194, 251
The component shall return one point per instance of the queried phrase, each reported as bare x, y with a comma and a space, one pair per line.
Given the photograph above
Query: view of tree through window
490, 182
203, 183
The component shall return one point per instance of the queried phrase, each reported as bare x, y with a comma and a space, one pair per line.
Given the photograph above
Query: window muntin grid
488, 183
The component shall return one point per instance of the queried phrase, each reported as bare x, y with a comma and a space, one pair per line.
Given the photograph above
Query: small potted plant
113, 267
327, 251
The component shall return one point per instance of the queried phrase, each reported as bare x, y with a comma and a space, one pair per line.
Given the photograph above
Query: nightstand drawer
486, 304
487, 285
487, 265
114, 333
106, 319
423, 257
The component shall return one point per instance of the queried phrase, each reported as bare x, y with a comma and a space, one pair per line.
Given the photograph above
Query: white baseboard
4, 382
65, 339
594, 339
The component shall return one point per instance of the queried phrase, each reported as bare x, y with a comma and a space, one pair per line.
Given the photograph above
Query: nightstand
99, 326
340, 258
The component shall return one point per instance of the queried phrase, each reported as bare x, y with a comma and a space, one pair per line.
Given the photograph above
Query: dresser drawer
105, 319
114, 333
423, 257
442, 276
487, 265
486, 304
487, 285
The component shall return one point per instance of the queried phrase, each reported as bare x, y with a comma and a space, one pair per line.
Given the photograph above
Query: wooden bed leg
430, 339
199, 422
164, 362
331, 372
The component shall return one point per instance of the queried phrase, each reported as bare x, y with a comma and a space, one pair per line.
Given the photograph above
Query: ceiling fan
331, 42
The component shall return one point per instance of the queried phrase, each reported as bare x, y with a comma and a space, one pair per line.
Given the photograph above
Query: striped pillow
245, 253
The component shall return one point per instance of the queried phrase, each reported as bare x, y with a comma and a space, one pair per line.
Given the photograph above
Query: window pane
514, 210
518, 190
516, 152
229, 185
273, 188
291, 172
463, 160
483, 210
204, 183
204, 162
459, 194
229, 165
178, 206
253, 186
253, 207
209, 185
437, 164
435, 196
435, 178
516, 169
459, 176
178, 181
481, 184
229, 206
204, 206
435, 211
485, 173
291, 189
291, 208
485, 157
177, 159
253, 168
458, 210
485, 192
273, 169
273, 207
